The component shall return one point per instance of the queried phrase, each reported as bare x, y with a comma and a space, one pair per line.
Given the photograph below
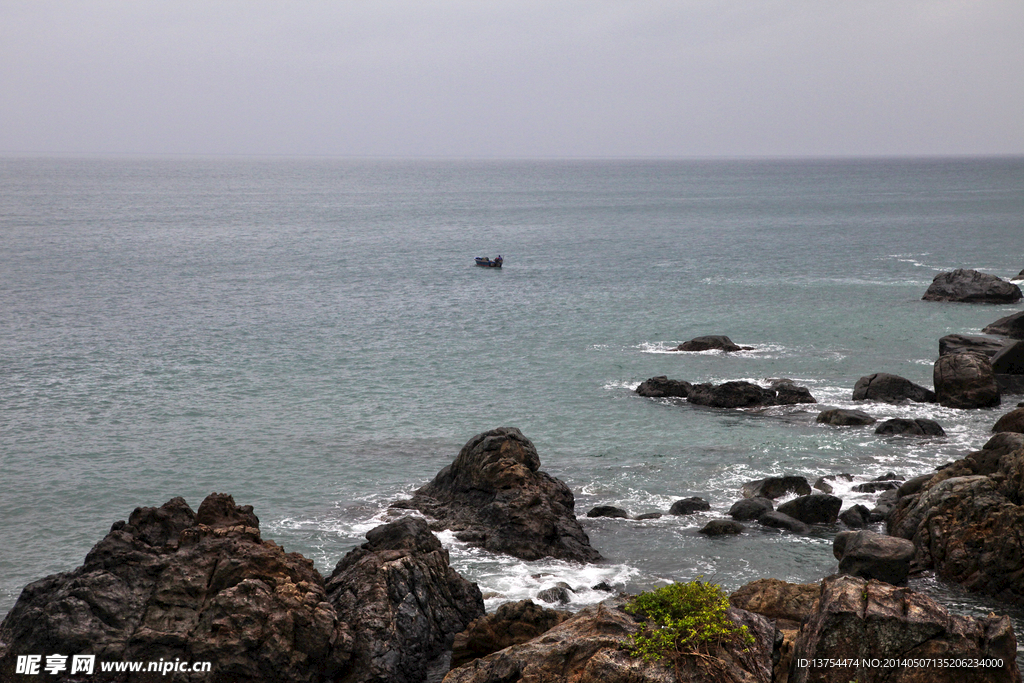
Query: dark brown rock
587, 648
689, 506
608, 511
775, 599
958, 343
1013, 421
1010, 384
861, 622
731, 395
874, 556
887, 388
662, 387
1011, 326
876, 486
788, 393
511, 624
1009, 360
710, 343
965, 380
776, 487
173, 584
722, 527
780, 520
816, 508
750, 508
855, 517
496, 498
972, 286
842, 417
903, 427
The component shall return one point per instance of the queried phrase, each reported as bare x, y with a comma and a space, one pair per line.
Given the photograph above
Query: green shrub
684, 620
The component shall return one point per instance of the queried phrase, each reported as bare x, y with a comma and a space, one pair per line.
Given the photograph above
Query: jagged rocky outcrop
972, 286
842, 417
663, 387
746, 395
403, 603
906, 427
881, 386
495, 497
958, 343
965, 521
965, 380
510, 624
1011, 326
712, 342
587, 648
863, 622
200, 586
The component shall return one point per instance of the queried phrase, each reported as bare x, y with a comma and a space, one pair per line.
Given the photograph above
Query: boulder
587, 648
750, 508
873, 556
649, 515
721, 527
971, 286
789, 603
731, 395
780, 520
173, 584
841, 417
1018, 276
560, 594
510, 624
821, 484
888, 388
958, 343
714, 342
864, 624
816, 508
876, 486
1010, 384
403, 602
913, 485
495, 497
917, 427
608, 511
1013, 421
688, 506
1009, 360
965, 380
856, 517
663, 387
788, 393
1011, 326
776, 487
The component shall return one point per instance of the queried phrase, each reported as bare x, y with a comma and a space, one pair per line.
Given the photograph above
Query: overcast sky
522, 78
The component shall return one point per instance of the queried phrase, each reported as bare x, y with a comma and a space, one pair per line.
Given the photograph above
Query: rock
776, 487
863, 622
775, 599
511, 624
822, 485
560, 594
495, 491
750, 508
874, 556
662, 387
788, 393
841, 417
1010, 384
965, 380
1011, 326
876, 486
688, 506
403, 602
649, 515
721, 527
731, 395
971, 286
711, 343
856, 517
608, 511
817, 508
888, 388
780, 520
1009, 360
587, 648
913, 485
917, 427
958, 343
172, 584
1018, 276
1013, 421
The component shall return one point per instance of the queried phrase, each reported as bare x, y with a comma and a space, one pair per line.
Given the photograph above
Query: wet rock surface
972, 286
965, 380
887, 388
1013, 421
713, 342
874, 556
663, 387
722, 527
842, 417
689, 506
816, 508
495, 496
750, 508
776, 487
958, 343
510, 624
1011, 326
905, 427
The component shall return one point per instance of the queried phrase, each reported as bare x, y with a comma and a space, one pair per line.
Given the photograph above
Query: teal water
312, 337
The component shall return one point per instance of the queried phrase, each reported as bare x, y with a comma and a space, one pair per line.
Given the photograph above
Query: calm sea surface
312, 337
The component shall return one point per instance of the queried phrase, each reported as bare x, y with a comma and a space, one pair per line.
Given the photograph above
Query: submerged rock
1011, 326
841, 417
663, 387
972, 286
722, 527
887, 388
780, 520
495, 496
965, 380
917, 427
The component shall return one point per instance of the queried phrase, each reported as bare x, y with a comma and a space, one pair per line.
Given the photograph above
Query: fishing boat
485, 262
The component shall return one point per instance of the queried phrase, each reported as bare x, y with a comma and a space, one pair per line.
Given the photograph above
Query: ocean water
312, 337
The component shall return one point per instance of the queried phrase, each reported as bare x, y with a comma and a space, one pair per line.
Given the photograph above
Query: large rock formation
495, 497
510, 624
662, 387
965, 380
873, 632
958, 343
403, 603
971, 286
881, 386
713, 342
588, 649
1011, 326
747, 395
201, 586
874, 556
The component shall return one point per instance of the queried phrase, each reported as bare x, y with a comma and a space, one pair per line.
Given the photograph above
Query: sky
513, 78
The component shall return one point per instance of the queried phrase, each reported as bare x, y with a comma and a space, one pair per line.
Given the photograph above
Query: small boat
485, 262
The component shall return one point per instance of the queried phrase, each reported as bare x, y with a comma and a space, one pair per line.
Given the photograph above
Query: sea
311, 336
